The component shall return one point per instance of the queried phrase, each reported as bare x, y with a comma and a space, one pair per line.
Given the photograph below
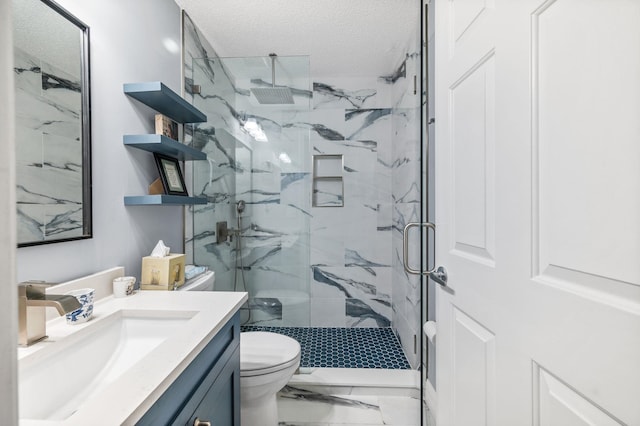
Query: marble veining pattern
343, 265
367, 118
215, 179
48, 151
327, 93
326, 133
406, 199
290, 392
343, 285
303, 407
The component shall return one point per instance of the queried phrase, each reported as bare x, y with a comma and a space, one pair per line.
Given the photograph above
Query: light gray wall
127, 45
8, 296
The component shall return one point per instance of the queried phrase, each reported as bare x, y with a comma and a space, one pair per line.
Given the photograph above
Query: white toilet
267, 362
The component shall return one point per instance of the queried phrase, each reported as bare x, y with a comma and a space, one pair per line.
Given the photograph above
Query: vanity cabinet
208, 390
165, 101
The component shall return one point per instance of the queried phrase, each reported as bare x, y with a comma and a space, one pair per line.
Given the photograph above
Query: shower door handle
405, 247
438, 274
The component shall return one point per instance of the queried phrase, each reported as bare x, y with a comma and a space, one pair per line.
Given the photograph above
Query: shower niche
328, 181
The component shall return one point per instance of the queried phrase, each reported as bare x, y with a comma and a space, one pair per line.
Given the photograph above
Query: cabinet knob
199, 422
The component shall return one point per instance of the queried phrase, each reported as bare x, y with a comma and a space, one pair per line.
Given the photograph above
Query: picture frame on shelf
170, 175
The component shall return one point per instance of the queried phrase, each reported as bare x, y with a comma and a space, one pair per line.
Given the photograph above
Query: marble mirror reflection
53, 145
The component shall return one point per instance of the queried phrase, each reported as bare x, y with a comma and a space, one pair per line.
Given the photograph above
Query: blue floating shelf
163, 145
165, 200
164, 100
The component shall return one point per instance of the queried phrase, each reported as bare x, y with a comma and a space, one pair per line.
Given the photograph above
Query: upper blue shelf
164, 100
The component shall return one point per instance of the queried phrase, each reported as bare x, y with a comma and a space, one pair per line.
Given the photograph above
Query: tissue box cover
160, 273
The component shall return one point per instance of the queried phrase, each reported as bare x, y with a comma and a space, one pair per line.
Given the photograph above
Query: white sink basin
55, 380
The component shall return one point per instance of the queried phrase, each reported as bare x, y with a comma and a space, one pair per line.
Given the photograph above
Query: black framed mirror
53, 124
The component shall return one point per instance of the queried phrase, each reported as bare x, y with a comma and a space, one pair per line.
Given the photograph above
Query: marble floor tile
397, 410
298, 406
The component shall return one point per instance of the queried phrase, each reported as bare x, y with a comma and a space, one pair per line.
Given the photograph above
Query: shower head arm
274, 95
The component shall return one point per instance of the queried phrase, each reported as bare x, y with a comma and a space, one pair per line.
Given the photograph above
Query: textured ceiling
343, 37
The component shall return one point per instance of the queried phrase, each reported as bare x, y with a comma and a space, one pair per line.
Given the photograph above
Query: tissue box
162, 273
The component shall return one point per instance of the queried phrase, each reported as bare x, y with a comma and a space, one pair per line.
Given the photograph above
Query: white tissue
160, 250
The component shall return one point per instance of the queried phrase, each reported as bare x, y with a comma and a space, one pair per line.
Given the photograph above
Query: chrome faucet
32, 301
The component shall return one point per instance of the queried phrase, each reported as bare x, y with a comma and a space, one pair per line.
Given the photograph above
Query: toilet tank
204, 282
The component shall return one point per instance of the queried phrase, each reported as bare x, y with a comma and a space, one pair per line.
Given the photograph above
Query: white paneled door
538, 212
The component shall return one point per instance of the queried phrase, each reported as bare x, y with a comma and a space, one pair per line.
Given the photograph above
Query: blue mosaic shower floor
344, 347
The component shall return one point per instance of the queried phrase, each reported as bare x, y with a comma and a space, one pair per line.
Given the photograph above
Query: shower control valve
224, 233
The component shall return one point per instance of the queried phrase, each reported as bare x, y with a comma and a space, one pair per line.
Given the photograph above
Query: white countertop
126, 399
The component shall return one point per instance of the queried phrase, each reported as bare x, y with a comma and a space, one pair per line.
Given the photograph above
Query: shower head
240, 205
273, 95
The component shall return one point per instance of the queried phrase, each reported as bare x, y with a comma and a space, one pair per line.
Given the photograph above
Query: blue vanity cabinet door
221, 404
210, 383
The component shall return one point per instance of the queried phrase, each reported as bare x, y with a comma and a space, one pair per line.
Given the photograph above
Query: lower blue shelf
162, 200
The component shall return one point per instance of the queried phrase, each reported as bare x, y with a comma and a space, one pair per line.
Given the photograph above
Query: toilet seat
264, 352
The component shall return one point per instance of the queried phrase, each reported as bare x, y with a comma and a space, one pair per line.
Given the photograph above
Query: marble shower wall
271, 261
214, 179
406, 195
48, 152
275, 249
351, 253
356, 250
304, 265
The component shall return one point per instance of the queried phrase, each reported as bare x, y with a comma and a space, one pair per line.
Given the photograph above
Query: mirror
53, 134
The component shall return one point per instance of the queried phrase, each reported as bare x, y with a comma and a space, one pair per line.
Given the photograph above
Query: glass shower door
257, 180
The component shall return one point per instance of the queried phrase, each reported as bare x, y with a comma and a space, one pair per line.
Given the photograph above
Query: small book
166, 126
